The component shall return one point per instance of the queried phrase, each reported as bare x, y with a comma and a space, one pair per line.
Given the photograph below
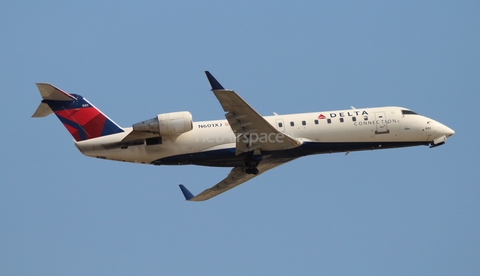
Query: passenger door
381, 123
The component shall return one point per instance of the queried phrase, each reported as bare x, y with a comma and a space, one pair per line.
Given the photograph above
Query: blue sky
411, 211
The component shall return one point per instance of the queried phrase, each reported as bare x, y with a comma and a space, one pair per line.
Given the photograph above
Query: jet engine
167, 124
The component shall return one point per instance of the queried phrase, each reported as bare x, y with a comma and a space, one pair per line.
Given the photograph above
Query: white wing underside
236, 177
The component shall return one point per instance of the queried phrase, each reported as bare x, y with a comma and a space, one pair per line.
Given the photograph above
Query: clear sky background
413, 211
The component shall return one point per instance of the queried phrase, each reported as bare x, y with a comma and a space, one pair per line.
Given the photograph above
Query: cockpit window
408, 112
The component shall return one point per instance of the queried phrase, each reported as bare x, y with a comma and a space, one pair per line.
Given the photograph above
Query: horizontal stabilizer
50, 92
42, 111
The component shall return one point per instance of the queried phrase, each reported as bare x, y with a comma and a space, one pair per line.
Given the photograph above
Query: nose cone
446, 131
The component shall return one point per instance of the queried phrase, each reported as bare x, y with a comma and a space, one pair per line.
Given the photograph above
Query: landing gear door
381, 123
280, 125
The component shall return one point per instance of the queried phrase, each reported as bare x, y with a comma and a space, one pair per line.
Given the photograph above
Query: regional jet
245, 141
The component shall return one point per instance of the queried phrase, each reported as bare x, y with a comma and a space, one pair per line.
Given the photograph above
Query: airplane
247, 142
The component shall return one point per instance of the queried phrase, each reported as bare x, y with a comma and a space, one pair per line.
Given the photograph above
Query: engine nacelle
167, 124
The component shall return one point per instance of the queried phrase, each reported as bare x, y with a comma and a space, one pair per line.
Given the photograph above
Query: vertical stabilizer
81, 118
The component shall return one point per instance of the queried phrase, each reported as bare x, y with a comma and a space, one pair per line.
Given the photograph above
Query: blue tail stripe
76, 126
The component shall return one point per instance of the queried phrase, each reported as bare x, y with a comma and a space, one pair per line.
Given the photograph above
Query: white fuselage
212, 143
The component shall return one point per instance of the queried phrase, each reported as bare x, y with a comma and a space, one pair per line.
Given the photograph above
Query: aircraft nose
442, 132
447, 131
440, 129
450, 132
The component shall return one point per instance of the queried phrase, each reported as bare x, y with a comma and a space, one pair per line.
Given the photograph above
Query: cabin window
292, 124
280, 125
329, 121
316, 122
365, 118
304, 123
341, 120
354, 119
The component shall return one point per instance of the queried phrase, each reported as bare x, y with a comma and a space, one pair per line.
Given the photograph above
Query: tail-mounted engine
167, 124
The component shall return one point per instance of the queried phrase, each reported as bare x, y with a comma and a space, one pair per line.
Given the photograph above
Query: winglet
213, 82
186, 193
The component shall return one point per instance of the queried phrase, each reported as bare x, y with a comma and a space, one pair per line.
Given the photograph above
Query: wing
236, 177
251, 129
